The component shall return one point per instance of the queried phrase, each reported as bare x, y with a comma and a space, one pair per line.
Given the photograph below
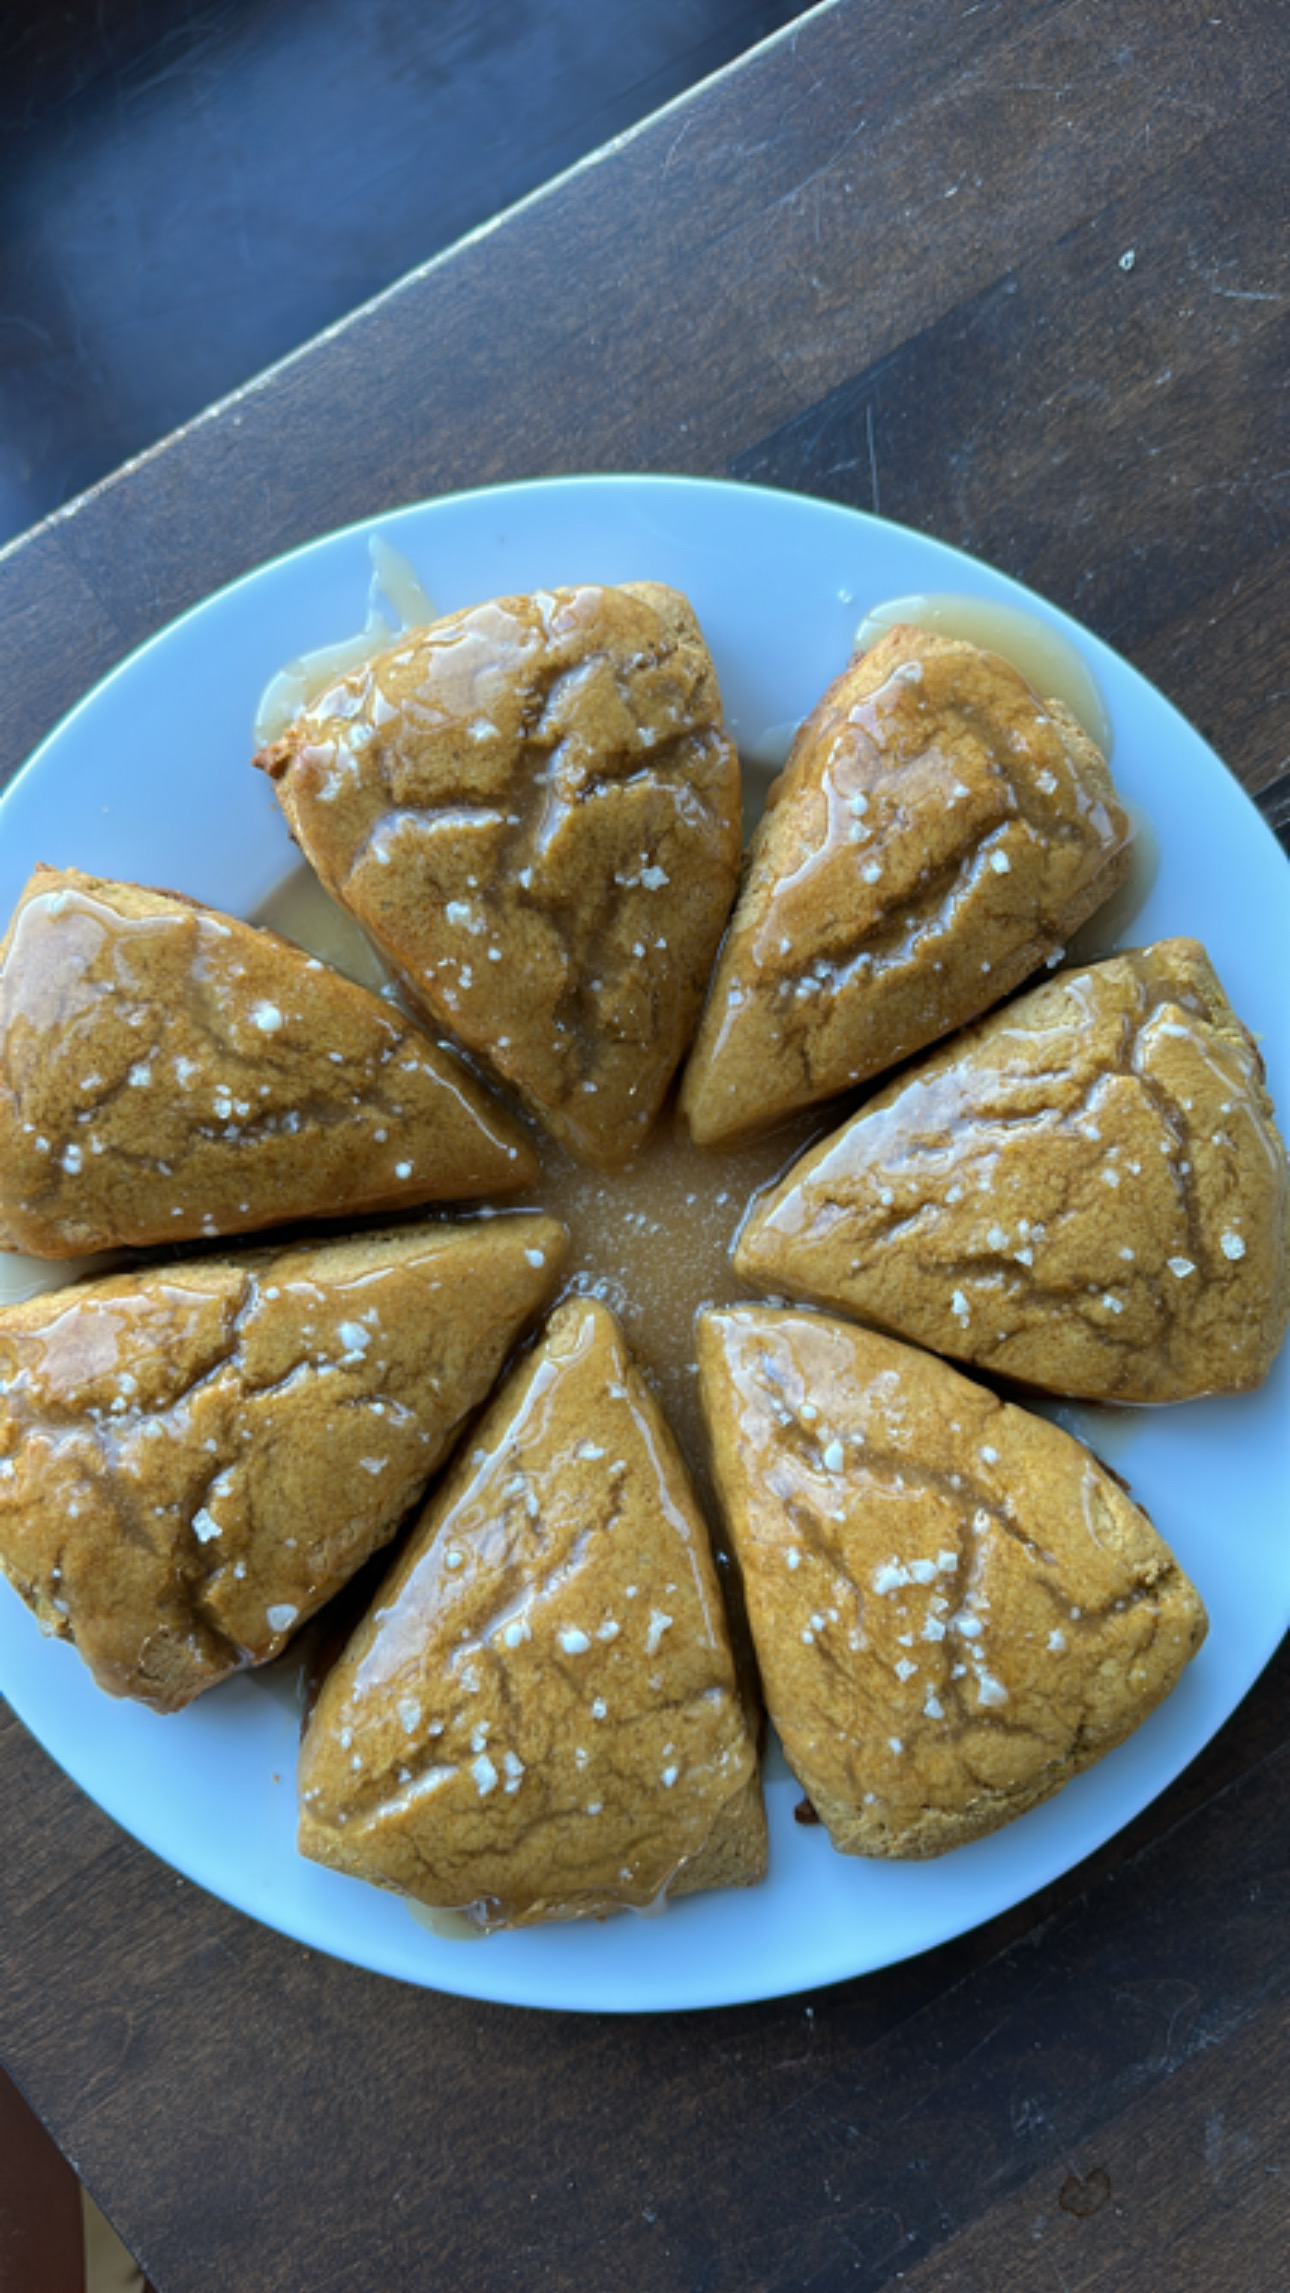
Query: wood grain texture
881, 261
187, 193
328, 2123
870, 252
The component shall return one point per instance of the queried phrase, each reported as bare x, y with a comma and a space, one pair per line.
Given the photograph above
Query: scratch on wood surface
790, 110
791, 2061
1018, 2006
675, 145
795, 190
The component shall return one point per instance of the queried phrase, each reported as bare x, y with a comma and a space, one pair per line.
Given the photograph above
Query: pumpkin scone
956, 1607
168, 1072
540, 1718
937, 833
533, 810
194, 1457
1087, 1193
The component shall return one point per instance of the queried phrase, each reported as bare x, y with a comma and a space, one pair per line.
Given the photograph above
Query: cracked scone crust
956, 1608
938, 831
193, 1458
1087, 1192
540, 1717
168, 1072
533, 810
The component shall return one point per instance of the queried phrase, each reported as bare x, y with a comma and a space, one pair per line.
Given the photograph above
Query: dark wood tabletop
1016, 276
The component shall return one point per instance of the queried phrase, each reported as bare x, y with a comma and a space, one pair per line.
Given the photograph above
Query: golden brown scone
936, 834
1087, 1193
534, 812
956, 1608
194, 1457
167, 1071
539, 1719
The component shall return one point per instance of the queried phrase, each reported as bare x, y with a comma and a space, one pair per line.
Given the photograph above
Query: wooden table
1013, 275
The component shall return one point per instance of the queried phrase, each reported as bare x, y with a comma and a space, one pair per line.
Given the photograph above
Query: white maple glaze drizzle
400, 584
1108, 928
445, 1926
23, 1277
303, 679
304, 913
1050, 664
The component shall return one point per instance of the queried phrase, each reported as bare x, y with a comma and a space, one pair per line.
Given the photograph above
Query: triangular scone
194, 1457
540, 1718
1087, 1193
937, 833
956, 1608
533, 810
167, 1071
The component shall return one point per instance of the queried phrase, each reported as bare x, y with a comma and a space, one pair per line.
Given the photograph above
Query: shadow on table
186, 201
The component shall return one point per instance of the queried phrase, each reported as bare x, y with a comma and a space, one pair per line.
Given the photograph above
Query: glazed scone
956, 1607
1087, 1193
167, 1071
194, 1457
938, 831
534, 812
540, 1719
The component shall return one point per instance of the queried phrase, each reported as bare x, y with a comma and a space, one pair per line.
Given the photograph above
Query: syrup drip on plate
1052, 666
1055, 669
652, 1241
310, 674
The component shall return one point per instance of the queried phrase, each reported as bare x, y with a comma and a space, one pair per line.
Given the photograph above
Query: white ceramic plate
148, 779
